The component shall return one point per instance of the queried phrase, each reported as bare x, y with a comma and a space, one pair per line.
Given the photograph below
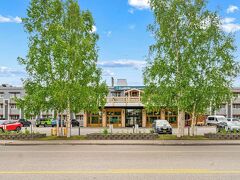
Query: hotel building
123, 108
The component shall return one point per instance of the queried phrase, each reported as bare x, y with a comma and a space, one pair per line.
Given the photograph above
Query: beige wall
85, 120
163, 114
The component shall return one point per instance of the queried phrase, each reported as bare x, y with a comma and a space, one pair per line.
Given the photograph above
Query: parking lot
200, 130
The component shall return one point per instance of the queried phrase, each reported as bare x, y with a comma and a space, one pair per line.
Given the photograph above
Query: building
123, 108
8, 108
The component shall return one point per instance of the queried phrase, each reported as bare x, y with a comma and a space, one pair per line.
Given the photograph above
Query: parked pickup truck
43, 122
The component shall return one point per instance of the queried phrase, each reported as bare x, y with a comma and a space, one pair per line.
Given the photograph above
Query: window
1, 94
14, 117
14, 94
1, 106
13, 106
223, 106
236, 95
116, 94
236, 106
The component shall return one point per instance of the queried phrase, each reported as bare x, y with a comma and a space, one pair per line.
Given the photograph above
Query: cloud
232, 9
10, 72
131, 11
107, 72
228, 20
139, 4
229, 26
123, 63
4, 19
108, 33
132, 26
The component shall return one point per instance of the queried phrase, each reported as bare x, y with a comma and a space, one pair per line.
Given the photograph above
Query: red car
10, 126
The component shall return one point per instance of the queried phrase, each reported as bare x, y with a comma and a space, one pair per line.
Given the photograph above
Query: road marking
130, 171
5, 151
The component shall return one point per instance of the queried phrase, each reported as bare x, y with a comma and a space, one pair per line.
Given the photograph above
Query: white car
229, 126
214, 120
233, 119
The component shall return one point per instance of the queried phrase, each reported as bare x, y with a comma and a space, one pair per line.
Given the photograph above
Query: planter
99, 136
21, 136
229, 136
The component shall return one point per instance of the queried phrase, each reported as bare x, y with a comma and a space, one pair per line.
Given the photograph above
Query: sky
122, 27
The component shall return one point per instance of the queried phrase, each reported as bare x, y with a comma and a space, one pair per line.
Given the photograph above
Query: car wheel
1, 130
18, 129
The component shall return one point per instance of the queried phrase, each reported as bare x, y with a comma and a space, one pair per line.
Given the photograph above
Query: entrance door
133, 116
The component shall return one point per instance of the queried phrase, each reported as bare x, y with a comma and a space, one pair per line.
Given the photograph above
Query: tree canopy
62, 59
191, 62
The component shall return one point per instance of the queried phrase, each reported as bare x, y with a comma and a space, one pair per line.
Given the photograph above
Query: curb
113, 142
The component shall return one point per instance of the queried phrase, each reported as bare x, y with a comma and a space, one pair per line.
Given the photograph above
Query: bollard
111, 128
136, 128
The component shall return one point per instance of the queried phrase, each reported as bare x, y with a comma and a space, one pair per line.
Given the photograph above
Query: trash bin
65, 131
54, 131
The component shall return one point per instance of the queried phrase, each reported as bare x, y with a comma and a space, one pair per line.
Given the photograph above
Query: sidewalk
122, 142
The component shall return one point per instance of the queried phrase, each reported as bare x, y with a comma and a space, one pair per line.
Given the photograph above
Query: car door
10, 126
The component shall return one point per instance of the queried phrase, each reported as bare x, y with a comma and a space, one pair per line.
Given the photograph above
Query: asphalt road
119, 162
83, 131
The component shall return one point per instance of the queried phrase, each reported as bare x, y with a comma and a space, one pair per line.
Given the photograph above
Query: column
162, 114
104, 118
123, 118
144, 118
85, 119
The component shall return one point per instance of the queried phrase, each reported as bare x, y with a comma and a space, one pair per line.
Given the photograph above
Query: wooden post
104, 118
144, 118
123, 118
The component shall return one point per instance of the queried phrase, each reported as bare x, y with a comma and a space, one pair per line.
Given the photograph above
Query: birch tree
62, 57
191, 61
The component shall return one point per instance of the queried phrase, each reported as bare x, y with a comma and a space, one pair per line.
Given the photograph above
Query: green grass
174, 137
48, 138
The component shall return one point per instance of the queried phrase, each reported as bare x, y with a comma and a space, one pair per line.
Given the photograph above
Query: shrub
26, 132
151, 131
105, 131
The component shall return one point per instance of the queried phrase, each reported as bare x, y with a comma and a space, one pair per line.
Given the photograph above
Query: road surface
119, 162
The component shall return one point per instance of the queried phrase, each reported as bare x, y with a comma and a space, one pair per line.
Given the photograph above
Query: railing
123, 99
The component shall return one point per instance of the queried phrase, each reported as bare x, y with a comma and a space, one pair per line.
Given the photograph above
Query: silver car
229, 126
162, 127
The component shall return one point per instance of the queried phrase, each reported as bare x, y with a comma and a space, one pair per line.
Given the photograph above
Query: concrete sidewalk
122, 142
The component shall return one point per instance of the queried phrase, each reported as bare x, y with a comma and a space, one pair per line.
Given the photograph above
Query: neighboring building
123, 108
8, 108
231, 109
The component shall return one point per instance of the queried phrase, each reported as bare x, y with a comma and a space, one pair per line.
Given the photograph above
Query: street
119, 162
200, 130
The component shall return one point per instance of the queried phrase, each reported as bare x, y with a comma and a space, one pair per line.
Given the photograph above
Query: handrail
123, 99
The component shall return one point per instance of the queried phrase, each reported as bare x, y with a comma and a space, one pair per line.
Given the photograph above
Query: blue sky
121, 25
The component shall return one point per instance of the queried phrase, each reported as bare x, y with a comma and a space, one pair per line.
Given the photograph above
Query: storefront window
151, 116
94, 120
114, 117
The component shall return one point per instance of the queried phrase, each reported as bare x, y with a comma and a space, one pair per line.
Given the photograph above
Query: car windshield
2, 122
161, 123
222, 119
